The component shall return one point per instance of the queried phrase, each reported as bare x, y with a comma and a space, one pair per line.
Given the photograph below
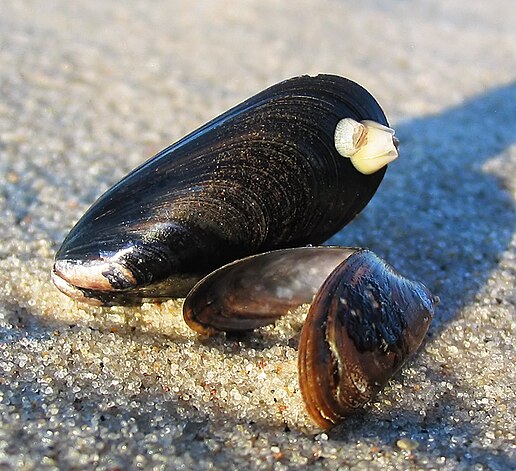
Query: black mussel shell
264, 175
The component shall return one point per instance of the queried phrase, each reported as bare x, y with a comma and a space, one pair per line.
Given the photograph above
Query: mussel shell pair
365, 321
264, 176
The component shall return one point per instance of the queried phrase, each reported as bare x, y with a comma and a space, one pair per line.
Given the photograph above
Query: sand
91, 89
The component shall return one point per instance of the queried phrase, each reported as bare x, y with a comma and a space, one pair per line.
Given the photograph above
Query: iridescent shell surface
276, 172
258, 290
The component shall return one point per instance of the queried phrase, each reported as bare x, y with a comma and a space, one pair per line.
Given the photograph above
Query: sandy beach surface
90, 89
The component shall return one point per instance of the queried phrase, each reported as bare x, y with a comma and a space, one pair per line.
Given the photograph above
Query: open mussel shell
365, 321
264, 175
258, 290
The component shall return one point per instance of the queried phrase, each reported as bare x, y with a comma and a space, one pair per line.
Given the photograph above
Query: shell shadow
452, 218
440, 216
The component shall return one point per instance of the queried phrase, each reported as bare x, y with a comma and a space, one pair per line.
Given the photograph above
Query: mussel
269, 173
365, 321
288, 167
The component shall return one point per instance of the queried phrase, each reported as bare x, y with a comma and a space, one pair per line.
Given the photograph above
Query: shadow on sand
453, 219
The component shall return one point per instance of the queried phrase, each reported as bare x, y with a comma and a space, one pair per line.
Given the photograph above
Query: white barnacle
368, 144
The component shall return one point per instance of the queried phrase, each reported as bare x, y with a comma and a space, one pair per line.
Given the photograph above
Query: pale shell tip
368, 144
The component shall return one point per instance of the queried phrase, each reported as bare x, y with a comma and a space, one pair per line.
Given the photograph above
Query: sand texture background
90, 89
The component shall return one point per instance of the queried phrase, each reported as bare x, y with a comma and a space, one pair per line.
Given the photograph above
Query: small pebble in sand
407, 444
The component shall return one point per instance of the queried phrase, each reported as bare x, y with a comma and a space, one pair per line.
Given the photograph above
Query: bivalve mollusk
265, 175
365, 321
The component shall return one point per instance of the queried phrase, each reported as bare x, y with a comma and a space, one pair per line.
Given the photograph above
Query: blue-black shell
262, 176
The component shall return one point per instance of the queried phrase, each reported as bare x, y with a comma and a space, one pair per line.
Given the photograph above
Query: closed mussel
365, 321
270, 173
